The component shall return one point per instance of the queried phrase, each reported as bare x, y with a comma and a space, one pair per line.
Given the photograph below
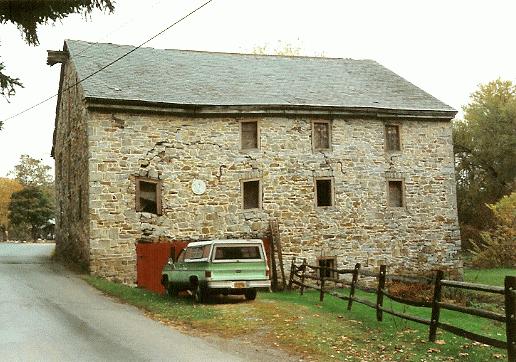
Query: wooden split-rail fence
299, 275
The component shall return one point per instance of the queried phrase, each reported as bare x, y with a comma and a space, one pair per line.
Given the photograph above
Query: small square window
395, 193
321, 135
324, 192
327, 262
392, 137
148, 196
251, 194
249, 135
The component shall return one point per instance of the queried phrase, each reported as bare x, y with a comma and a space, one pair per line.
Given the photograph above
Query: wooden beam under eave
56, 56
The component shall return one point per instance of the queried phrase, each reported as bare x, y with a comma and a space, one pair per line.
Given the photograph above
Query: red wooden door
150, 260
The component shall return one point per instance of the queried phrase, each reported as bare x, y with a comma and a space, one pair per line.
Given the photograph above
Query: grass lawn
314, 330
488, 276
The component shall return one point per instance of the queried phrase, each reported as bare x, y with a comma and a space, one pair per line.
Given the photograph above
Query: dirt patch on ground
252, 344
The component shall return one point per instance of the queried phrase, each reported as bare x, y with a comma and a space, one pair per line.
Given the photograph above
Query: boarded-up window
396, 193
249, 135
324, 192
329, 263
392, 137
148, 196
251, 194
321, 135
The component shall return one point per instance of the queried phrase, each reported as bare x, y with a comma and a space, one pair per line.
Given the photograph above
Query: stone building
354, 162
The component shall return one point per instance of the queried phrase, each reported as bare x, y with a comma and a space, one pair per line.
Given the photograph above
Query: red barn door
150, 260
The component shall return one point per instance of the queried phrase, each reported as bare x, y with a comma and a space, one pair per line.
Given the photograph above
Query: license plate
239, 284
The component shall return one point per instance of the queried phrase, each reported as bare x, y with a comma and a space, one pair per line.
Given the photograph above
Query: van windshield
234, 252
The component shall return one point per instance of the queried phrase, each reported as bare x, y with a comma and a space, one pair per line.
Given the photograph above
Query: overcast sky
445, 47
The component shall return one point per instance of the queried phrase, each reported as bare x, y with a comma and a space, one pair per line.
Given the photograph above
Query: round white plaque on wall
198, 187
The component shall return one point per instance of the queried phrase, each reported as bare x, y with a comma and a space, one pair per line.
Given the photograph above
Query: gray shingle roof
202, 78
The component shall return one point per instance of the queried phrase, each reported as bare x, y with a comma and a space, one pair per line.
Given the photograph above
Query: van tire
250, 294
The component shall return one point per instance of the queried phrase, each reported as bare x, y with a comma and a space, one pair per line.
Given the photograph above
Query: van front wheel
250, 294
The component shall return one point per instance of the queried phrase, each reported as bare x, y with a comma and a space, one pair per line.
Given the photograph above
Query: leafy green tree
7, 188
281, 49
498, 246
32, 172
485, 153
32, 207
27, 15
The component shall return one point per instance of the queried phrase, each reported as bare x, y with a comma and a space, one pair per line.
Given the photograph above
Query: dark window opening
251, 194
395, 193
148, 198
324, 192
249, 135
321, 135
327, 263
392, 135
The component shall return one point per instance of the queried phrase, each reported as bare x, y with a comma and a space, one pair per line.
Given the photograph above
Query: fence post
353, 284
510, 316
322, 272
379, 293
435, 305
303, 277
292, 272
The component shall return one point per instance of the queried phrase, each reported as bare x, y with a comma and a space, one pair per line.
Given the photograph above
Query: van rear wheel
250, 294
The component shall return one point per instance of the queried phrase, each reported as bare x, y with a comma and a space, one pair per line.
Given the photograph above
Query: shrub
498, 245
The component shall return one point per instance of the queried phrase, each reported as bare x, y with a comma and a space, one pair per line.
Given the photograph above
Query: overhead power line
112, 62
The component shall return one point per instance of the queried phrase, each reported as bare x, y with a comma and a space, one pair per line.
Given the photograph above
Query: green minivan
234, 266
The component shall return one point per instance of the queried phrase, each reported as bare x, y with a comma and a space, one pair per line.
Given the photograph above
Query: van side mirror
172, 255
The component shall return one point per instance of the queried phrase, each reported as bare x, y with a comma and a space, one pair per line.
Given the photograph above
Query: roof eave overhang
209, 110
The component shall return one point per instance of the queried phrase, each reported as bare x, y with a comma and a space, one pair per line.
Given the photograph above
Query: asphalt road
49, 314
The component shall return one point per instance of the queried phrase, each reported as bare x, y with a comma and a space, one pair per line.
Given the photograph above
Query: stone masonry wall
71, 168
359, 228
